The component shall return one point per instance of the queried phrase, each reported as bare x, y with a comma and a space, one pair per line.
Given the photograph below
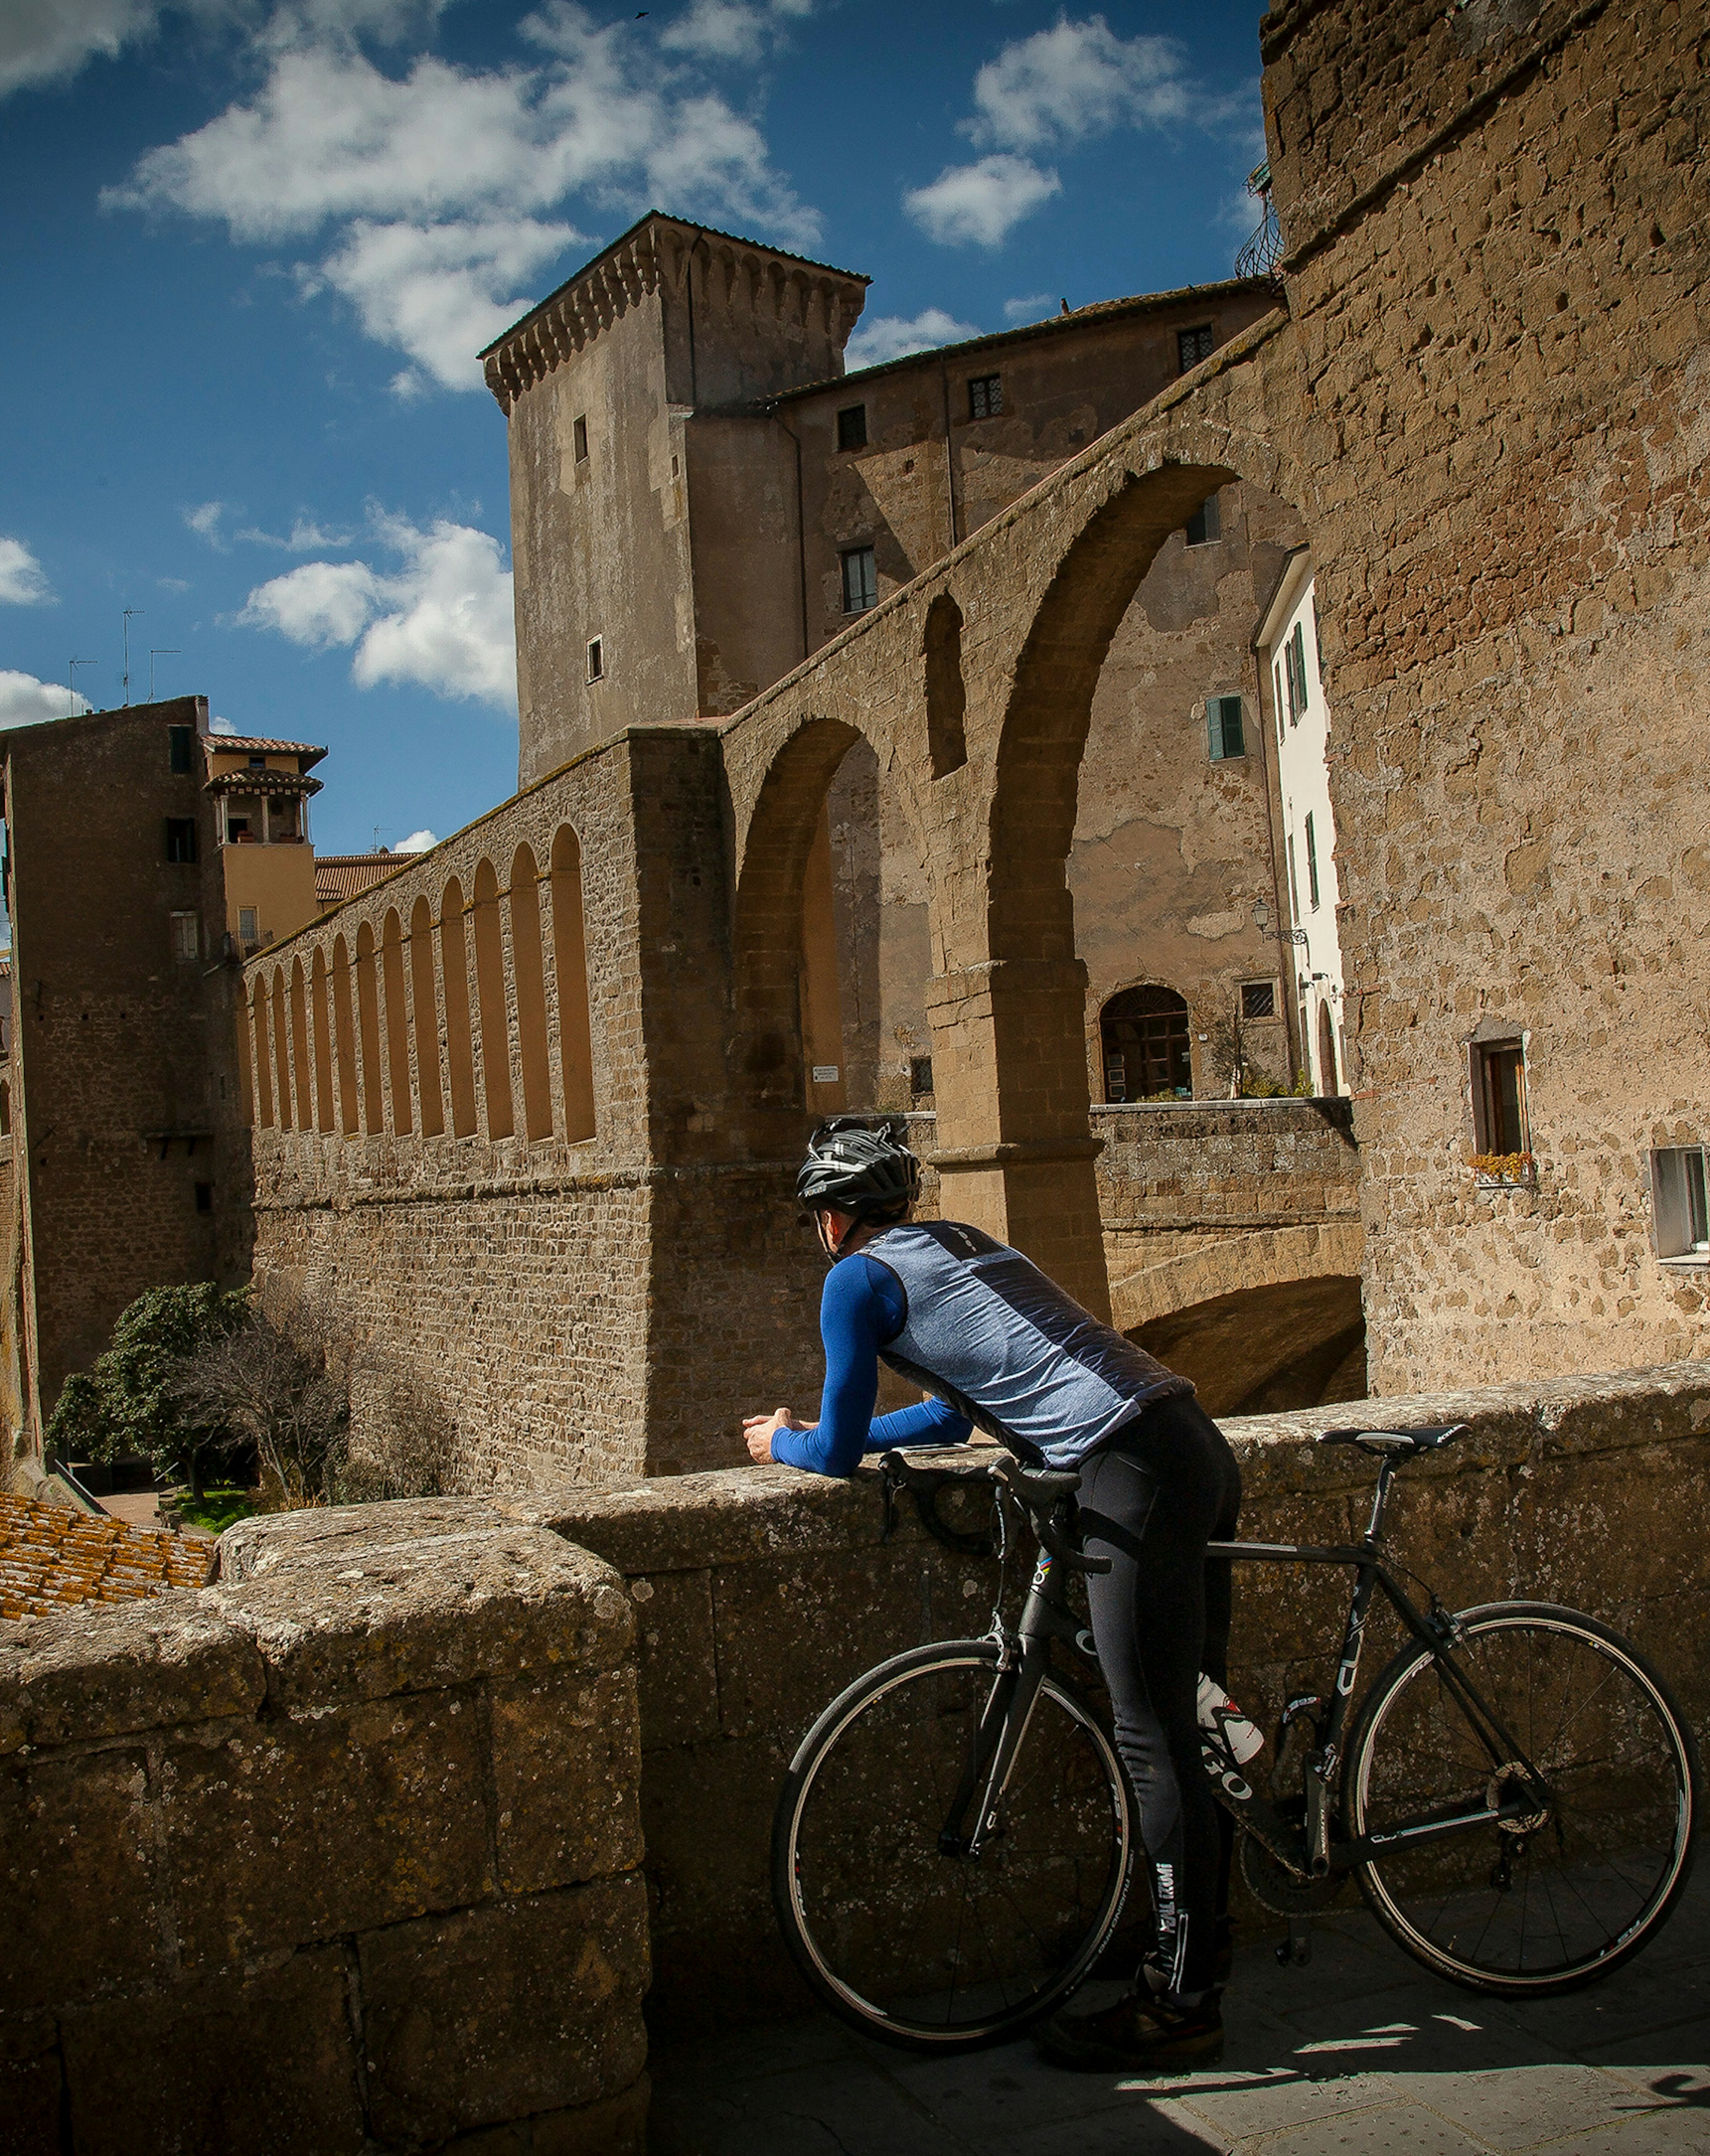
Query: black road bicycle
954, 1840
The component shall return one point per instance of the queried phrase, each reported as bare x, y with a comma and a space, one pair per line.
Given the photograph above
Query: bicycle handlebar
1040, 1491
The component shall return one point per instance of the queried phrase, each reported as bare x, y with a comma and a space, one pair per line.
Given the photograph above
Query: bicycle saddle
1395, 1440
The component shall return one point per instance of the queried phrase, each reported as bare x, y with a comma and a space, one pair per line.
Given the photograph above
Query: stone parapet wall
341, 1857
1215, 1167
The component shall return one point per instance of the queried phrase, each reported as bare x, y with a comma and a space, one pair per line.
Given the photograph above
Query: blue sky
252, 247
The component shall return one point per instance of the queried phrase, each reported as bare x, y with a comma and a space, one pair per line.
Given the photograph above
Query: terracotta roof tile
51, 1558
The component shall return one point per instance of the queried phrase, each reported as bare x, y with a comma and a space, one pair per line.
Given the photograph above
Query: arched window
397, 1030
454, 972
300, 1049
5, 1108
368, 1027
344, 1035
530, 994
1147, 1050
570, 964
281, 1048
325, 1116
263, 1062
1329, 1080
421, 982
490, 989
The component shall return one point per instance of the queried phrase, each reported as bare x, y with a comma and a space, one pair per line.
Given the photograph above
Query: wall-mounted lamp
1261, 922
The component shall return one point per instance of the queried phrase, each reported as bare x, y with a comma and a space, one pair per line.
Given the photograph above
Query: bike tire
1598, 1873
867, 1900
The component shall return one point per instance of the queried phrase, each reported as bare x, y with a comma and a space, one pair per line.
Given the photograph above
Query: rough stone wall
283, 1862
1497, 258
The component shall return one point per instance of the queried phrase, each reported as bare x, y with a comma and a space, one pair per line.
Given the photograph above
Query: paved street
1359, 2053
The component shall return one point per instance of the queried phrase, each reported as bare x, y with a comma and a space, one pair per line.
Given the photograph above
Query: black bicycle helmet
861, 1165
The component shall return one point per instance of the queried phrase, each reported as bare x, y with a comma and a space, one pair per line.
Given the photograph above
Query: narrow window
920, 1075
1223, 722
570, 969
6, 1108
181, 839
179, 740
860, 580
1678, 1202
204, 1198
1297, 671
1205, 525
187, 936
1258, 999
985, 397
528, 964
1192, 345
852, 427
1500, 1117
1312, 864
596, 658
947, 695
578, 430
246, 924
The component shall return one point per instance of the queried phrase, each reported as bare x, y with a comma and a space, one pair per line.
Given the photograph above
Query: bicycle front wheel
896, 1929
1551, 1899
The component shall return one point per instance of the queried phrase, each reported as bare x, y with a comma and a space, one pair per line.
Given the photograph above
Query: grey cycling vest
987, 1332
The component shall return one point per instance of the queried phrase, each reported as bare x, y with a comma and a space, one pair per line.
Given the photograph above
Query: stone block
260, 2061
616, 2127
106, 1670
697, 1876
29, 2086
567, 1778
676, 1669
85, 1909
526, 2007
301, 1831
686, 1522
274, 1540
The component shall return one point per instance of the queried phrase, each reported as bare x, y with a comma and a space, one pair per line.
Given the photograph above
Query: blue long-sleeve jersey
863, 1307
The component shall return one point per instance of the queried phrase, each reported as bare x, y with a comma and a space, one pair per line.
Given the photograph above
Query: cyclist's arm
862, 1308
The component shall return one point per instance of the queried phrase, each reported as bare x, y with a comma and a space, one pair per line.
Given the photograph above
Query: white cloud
1033, 309
1075, 80
980, 202
889, 336
443, 618
21, 583
418, 842
221, 726
730, 29
204, 520
437, 183
24, 702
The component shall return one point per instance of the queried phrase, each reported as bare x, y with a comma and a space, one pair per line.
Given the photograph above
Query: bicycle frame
1024, 1657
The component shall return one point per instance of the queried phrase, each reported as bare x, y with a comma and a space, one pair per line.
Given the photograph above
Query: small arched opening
453, 974
530, 994
427, 1016
281, 1048
369, 1025
489, 993
263, 1064
570, 966
323, 1040
1147, 1046
344, 1037
396, 1031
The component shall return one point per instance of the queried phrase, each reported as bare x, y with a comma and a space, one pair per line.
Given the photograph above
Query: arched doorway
1148, 1050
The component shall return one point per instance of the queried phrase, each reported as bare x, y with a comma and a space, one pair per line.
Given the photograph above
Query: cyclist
996, 1343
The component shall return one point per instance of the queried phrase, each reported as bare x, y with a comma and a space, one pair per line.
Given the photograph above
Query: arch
246, 1084
946, 692
281, 1048
570, 971
454, 973
344, 1037
526, 958
299, 1047
1146, 1044
1328, 1079
368, 1032
263, 1066
489, 992
427, 1017
1267, 1349
396, 1022
325, 1116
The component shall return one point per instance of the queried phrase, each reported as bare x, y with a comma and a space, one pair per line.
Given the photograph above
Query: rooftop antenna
129, 611
159, 651
71, 666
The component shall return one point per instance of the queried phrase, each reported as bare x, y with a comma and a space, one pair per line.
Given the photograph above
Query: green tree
128, 1402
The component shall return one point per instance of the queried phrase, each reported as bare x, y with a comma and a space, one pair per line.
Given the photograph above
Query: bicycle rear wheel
932, 1951
1550, 1900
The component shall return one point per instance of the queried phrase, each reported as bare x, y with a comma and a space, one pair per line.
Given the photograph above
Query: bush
281, 1384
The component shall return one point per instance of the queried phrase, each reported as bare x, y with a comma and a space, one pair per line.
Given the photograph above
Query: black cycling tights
1150, 1503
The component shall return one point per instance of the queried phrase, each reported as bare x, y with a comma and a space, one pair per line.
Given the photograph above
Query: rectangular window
920, 1075
1205, 525
1223, 722
1192, 345
596, 658
1258, 999
985, 397
187, 936
180, 838
852, 427
180, 741
860, 580
1500, 1116
1678, 1202
1312, 865
204, 1198
1297, 652
578, 437
246, 924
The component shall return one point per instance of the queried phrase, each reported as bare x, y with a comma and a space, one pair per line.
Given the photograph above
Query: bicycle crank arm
1344, 1856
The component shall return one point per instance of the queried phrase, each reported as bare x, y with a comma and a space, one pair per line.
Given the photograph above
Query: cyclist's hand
757, 1431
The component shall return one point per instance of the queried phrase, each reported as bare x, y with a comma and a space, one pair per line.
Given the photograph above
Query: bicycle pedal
1295, 1950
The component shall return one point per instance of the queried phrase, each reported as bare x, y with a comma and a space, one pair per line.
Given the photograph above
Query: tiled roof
257, 744
52, 1558
340, 876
